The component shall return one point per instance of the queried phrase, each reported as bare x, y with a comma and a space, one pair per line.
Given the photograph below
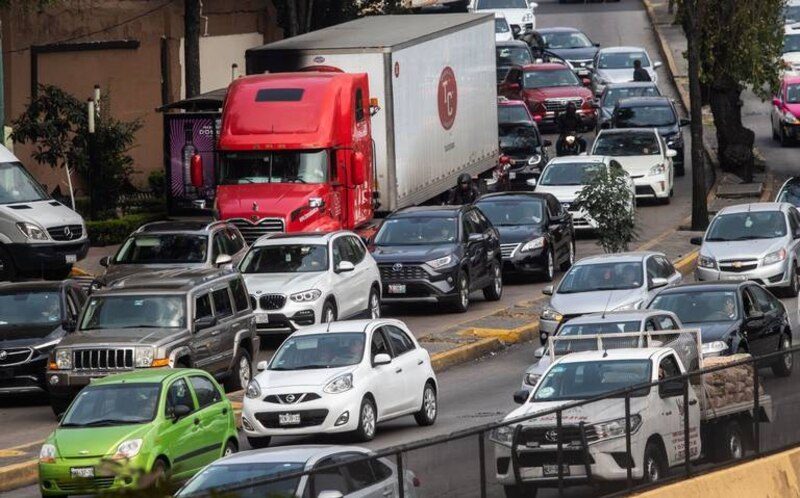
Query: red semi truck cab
295, 153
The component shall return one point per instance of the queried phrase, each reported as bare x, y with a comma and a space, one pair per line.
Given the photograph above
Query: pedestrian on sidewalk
639, 73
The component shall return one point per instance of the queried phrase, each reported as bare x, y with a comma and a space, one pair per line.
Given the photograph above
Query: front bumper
425, 286
774, 275
588, 118
791, 131
36, 258
525, 262
581, 221
291, 317
28, 377
652, 187
55, 479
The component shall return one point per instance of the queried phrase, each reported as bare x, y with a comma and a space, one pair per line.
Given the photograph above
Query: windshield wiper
312, 367
104, 421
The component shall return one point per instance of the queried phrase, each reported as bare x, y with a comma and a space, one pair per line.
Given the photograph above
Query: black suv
34, 316
524, 146
438, 254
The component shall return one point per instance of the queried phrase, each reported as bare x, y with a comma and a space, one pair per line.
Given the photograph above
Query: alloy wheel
374, 306
551, 270
368, 420
464, 291
735, 449
651, 470
572, 253
788, 359
228, 450
429, 403
498, 280
244, 371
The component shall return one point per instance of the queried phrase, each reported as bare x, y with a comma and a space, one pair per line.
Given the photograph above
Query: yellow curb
686, 264
465, 353
507, 336
77, 272
19, 475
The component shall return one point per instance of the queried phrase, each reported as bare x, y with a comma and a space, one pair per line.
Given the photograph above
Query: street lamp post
91, 109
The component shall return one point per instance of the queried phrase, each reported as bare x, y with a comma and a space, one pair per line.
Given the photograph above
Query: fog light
343, 419
449, 280
128, 481
246, 424
543, 336
47, 484
53, 380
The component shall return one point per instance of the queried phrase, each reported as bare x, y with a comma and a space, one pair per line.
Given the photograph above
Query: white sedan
644, 155
340, 377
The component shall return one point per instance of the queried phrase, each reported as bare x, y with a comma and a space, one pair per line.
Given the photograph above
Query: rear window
279, 95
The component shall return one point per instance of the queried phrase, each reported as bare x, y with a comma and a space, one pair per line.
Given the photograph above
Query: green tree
608, 199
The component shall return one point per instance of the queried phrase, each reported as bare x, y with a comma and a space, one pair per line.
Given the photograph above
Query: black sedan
733, 317
573, 45
536, 233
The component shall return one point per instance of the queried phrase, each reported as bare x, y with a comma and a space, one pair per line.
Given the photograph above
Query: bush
157, 181
109, 232
609, 200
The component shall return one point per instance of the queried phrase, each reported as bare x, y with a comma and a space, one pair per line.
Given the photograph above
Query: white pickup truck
593, 435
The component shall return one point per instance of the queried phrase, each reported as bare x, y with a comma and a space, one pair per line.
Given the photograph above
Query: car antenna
603, 316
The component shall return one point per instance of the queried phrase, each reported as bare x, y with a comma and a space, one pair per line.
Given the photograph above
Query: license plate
552, 470
71, 258
264, 318
397, 288
512, 175
289, 418
82, 472
734, 277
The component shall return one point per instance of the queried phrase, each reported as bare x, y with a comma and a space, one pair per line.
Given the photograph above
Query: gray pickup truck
199, 318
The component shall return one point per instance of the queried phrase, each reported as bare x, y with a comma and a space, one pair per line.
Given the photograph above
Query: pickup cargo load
432, 94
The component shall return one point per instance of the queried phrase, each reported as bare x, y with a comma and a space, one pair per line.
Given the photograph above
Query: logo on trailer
551, 435
447, 98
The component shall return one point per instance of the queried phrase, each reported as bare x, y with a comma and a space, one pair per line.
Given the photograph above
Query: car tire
374, 304
367, 421
782, 138
241, 373
653, 464
230, 448
430, 406
328, 312
730, 442
566, 265
7, 269
159, 473
259, 442
793, 288
461, 301
494, 291
783, 365
549, 272
59, 404
774, 133
520, 490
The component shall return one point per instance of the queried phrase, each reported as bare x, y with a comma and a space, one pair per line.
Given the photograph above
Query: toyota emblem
397, 267
3, 355
67, 233
551, 435
290, 398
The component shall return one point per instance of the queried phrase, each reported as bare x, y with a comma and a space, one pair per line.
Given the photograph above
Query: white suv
300, 279
518, 13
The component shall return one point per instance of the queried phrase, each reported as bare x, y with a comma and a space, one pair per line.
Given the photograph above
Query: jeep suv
199, 318
438, 254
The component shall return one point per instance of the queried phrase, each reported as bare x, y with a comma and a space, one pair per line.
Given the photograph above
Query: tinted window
29, 308
207, 394
414, 230
279, 95
220, 246
512, 212
549, 79
247, 167
225, 475
645, 116
584, 380
235, 240
653, 270
379, 345
698, 306
621, 60
401, 343
569, 173
360, 473
766, 301
222, 303
513, 56
518, 138
501, 4
132, 311
117, 404
613, 95
239, 295
319, 351
163, 249
565, 40
291, 258
178, 394
357, 249
751, 225
626, 144
602, 276
359, 105
668, 368
342, 251
480, 220
381, 470
793, 94
328, 480
666, 323
202, 306
512, 114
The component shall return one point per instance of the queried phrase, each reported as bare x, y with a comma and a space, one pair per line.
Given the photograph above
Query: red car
785, 115
547, 89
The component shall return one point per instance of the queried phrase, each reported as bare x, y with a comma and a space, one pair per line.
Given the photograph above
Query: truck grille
506, 250
66, 232
545, 435
253, 230
399, 271
272, 301
738, 265
14, 356
560, 105
102, 359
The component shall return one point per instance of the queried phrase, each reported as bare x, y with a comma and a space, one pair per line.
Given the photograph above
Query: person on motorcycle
569, 123
639, 73
465, 192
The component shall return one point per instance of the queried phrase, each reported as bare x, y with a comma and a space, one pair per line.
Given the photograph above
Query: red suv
547, 89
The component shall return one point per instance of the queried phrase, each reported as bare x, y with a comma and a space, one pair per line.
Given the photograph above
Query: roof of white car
622, 49
341, 327
791, 29
579, 159
6, 156
617, 316
760, 206
278, 238
611, 354
620, 257
289, 454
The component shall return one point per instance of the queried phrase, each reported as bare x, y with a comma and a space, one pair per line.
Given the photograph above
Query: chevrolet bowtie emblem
737, 264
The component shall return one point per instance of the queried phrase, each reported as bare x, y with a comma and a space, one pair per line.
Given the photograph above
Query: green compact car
146, 424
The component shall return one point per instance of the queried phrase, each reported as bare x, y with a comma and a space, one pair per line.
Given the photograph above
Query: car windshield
626, 144
747, 226
289, 258
793, 93
501, 25
29, 309
791, 43
501, 4
563, 40
589, 379
17, 185
613, 95
163, 249
791, 13
550, 78
134, 311
273, 167
309, 352
699, 306
417, 230
115, 404
622, 60
569, 173
512, 212
790, 194
243, 476
513, 114
602, 277
516, 138
513, 56
649, 116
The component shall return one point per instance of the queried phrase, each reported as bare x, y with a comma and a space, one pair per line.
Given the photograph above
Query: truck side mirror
196, 170
359, 171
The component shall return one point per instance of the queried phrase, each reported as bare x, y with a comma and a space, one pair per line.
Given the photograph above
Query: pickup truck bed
709, 414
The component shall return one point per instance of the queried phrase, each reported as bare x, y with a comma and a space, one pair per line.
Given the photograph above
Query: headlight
253, 390
32, 231
340, 384
128, 449
48, 453
306, 296
534, 160
502, 435
658, 169
630, 306
775, 257
532, 245
551, 314
64, 359
441, 262
706, 262
527, 17
714, 347
790, 118
143, 357
615, 428
532, 379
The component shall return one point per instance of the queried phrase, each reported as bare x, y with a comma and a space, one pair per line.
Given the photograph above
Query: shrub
158, 182
109, 232
609, 200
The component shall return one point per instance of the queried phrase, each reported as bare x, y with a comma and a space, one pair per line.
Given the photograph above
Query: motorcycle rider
639, 73
569, 123
465, 192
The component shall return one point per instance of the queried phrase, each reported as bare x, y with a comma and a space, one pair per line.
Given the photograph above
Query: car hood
43, 213
564, 193
714, 331
271, 380
638, 165
411, 254
284, 283
92, 442
29, 335
623, 75
120, 337
557, 92
599, 411
265, 200
582, 303
575, 54
519, 233
742, 249
118, 272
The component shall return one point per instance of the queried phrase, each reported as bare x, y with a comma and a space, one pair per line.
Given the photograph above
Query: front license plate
552, 470
71, 258
82, 472
397, 288
264, 318
512, 175
734, 277
289, 418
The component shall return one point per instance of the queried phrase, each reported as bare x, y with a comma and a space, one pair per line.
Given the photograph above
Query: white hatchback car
340, 377
644, 155
300, 279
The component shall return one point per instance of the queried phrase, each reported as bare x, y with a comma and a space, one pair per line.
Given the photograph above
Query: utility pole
92, 145
191, 46
692, 17
2, 92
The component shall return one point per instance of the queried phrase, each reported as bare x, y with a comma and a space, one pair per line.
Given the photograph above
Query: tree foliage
607, 198
301, 16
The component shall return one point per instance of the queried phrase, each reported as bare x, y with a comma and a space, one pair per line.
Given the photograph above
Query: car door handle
666, 414
388, 492
398, 370
420, 362
224, 411
197, 421
692, 402
215, 333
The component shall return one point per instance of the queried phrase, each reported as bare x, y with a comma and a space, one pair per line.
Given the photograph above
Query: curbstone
19, 475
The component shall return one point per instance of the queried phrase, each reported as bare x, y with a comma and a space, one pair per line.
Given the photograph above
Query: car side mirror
513, 87
696, 241
531, 182
755, 315
345, 266
685, 122
104, 261
223, 259
606, 125
657, 65
261, 366
381, 359
521, 396
68, 325
658, 282
596, 45
329, 493
547, 143
537, 119
671, 388
180, 411
204, 323
548, 290
586, 82
672, 153
776, 102
797, 234
539, 352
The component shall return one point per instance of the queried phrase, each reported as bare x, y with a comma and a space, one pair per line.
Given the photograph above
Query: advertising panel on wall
187, 134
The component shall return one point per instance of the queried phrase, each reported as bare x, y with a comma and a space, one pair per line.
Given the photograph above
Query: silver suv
199, 318
175, 244
758, 242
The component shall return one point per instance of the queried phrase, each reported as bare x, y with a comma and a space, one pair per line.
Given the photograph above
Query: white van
39, 237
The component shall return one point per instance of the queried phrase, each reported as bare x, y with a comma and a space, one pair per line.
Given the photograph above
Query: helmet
571, 107
464, 179
570, 139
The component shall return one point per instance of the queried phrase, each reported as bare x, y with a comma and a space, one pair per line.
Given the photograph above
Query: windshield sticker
138, 302
558, 369
307, 343
748, 222
546, 392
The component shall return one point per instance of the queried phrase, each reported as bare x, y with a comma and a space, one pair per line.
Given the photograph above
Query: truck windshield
286, 166
136, 311
29, 309
17, 185
163, 249
584, 380
118, 404
602, 277
699, 306
290, 258
417, 230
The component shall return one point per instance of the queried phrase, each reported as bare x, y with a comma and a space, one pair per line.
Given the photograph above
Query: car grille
645, 190
88, 483
102, 359
402, 272
14, 356
253, 230
308, 418
66, 232
506, 250
270, 302
284, 399
570, 434
560, 105
580, 63
738, 265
